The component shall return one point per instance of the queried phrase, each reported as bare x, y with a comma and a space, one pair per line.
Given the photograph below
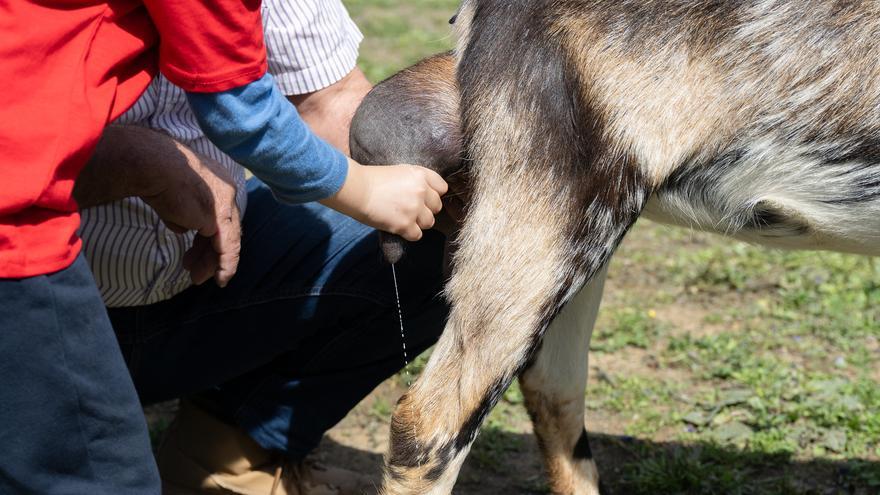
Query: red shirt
72, 66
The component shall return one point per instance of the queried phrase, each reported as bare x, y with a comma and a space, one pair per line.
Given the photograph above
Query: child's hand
400, 199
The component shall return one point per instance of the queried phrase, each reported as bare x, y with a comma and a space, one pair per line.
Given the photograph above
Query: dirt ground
656, 457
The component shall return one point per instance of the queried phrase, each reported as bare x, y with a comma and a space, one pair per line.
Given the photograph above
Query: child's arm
401, 199
259, 128
213, 49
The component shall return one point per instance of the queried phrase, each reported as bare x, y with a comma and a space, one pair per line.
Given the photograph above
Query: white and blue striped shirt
135, 259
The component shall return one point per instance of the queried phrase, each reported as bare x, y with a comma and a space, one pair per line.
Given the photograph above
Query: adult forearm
186, 190
328, 111
128, 161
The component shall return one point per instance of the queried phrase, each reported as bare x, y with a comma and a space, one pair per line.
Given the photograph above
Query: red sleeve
209, 46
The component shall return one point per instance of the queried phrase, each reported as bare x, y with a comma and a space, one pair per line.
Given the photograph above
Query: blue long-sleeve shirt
260, 129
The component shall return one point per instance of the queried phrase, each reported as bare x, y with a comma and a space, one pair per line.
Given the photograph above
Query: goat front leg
553, 386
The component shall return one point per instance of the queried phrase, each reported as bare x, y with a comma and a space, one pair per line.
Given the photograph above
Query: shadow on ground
509, 463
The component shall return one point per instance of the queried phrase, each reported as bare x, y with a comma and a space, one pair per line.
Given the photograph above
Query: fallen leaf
835, 440
733, 432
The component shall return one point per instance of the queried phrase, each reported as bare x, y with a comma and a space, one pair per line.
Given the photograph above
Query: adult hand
400, 199
199, 194
188, 191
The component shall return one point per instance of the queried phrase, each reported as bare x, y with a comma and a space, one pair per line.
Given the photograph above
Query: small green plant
381, 409
630, 327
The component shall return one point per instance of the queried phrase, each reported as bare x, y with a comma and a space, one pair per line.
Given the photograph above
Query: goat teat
412, 117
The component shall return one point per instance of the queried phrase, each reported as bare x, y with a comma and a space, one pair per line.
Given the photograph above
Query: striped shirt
135, 259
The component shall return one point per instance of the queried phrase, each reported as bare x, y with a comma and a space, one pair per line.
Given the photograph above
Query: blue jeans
304, 331
70, 420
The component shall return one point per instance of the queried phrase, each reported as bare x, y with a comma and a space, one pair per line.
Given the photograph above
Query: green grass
630, 327
399, 33
784, 369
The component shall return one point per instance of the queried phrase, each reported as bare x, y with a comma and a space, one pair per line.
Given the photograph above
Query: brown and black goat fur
758, 119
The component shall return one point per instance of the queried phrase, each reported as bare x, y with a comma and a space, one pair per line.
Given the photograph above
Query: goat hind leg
506, 286
514, 270
553, 386
552, 197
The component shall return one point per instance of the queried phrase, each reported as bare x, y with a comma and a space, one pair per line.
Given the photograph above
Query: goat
568, 119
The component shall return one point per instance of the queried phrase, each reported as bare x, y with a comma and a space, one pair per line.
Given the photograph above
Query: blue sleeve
260, 129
